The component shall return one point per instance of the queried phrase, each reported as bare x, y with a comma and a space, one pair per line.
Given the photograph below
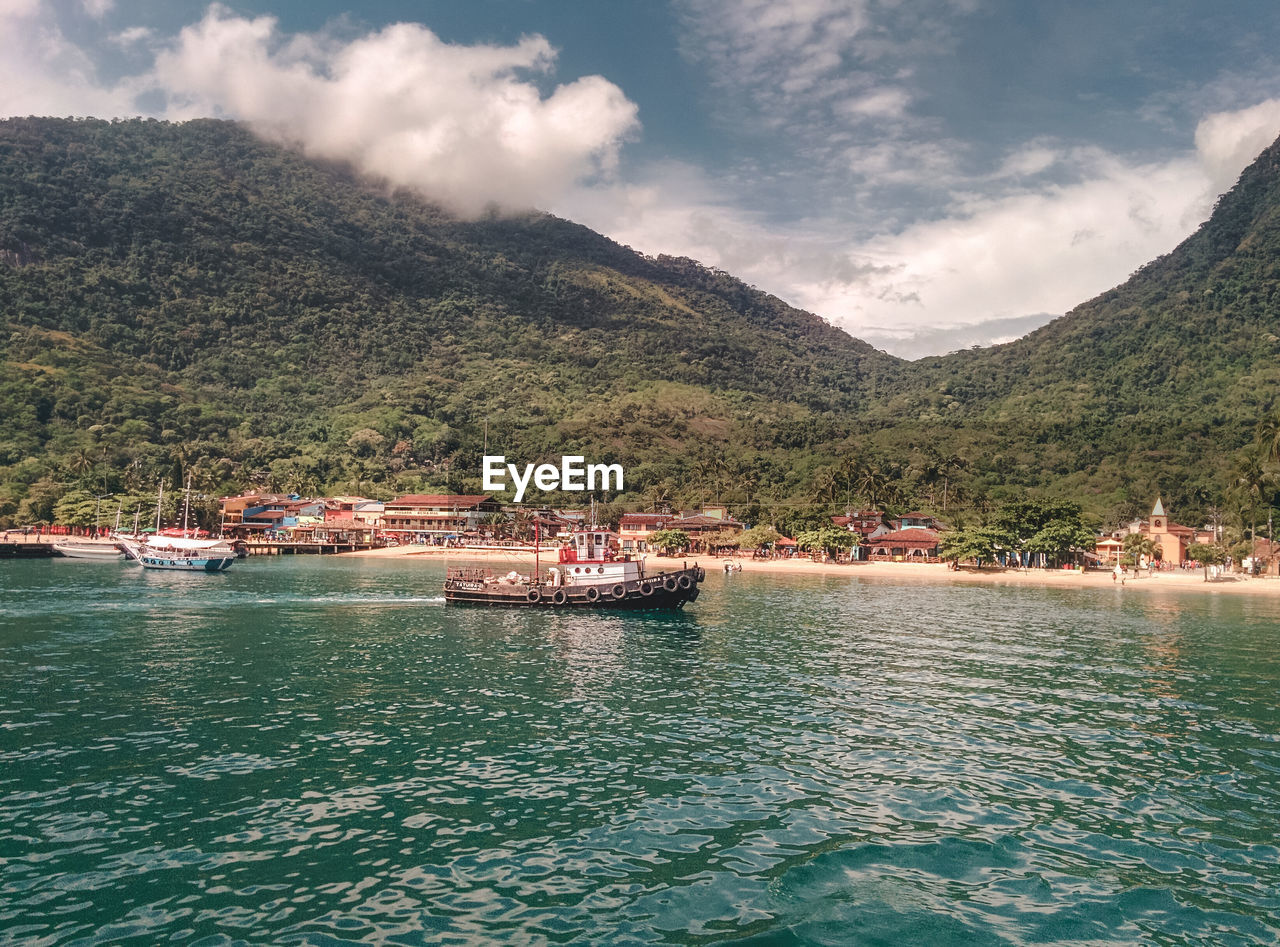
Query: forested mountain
1151, 387
186, 297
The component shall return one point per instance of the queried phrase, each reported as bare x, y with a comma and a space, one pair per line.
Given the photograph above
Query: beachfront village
1029, 535
1026, 534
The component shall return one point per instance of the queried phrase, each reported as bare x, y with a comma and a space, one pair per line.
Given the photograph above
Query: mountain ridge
186, 294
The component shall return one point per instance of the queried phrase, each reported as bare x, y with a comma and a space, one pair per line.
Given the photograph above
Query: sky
926, 174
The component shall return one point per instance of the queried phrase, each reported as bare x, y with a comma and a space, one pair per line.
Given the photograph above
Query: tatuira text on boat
589, 574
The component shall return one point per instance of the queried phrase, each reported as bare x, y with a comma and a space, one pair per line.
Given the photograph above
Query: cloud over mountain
468, 126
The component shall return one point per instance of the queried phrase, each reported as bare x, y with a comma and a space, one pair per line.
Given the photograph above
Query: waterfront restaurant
913, 544
437, 514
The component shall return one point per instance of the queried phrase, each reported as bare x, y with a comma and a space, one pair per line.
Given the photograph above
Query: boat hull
186, 563
101, 552
669, 590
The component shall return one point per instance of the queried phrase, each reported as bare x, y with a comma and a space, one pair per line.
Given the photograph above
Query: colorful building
437, 514
634, 529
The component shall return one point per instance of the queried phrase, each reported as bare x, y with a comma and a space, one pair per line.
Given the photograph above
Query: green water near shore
319, 752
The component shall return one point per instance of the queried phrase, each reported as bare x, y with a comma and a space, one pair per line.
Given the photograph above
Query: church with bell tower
1171, 539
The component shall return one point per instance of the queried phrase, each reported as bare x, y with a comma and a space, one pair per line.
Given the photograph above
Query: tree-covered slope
186, 289
186, 297
1148, 388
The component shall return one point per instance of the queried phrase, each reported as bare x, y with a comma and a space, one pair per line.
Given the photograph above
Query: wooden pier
26, 550
273, 548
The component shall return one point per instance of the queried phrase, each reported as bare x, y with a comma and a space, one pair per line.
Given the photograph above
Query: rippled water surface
319, 752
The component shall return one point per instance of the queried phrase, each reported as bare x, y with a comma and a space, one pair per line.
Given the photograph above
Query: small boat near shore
587, 575
92, 549
181, 553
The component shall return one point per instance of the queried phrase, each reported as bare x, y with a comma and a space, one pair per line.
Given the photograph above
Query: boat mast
537, 547
186, 505
159, 505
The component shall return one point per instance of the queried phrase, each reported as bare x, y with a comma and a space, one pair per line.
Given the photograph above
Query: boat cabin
588, 545
591, 559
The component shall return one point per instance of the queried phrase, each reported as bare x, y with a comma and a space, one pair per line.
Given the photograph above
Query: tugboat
588, 575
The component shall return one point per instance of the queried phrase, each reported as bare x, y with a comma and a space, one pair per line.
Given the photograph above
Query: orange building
1171, 539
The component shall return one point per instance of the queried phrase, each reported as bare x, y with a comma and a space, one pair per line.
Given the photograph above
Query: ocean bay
320, 751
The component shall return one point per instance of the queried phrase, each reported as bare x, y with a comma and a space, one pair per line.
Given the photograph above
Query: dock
282, 548
26, 550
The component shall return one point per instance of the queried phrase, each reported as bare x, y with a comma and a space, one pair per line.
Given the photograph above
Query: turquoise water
309, 751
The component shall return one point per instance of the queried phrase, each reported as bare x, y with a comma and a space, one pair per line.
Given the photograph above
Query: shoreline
931, 573
1177, 580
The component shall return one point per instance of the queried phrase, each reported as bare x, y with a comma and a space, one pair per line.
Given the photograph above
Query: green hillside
185, 297
189, 294
1152, 387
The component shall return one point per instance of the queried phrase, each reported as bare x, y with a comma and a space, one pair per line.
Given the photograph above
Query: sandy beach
1178, 580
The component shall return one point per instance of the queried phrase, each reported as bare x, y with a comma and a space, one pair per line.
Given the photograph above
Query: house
275, 515
704, 530
343, 508
440, 514
233, 508
1266, 557
634, 529
258, 513
913, 544
866, 523
917, 520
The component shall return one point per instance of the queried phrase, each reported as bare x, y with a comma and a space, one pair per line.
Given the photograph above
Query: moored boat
588, 575
100, 550
181, 553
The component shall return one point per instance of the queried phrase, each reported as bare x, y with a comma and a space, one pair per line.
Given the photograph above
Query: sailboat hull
186, 563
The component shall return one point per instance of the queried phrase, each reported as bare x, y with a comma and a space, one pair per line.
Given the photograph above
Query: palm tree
1137, 546
1268, 439
497, 523
1251, 485
951, 464
657, 498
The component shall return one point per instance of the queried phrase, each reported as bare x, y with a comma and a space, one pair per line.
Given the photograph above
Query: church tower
1159, 522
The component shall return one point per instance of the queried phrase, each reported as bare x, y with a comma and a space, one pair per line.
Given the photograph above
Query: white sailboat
182, 553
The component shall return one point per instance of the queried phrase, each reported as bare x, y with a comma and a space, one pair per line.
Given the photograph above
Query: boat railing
469, 575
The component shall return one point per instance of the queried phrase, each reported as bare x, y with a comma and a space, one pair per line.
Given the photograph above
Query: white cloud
98, 8
44, 73
1228, 141
878, 103
132, 36
458, 123
1004, 256
466, 125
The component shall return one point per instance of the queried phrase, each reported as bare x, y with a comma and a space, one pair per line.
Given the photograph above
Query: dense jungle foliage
184, 298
